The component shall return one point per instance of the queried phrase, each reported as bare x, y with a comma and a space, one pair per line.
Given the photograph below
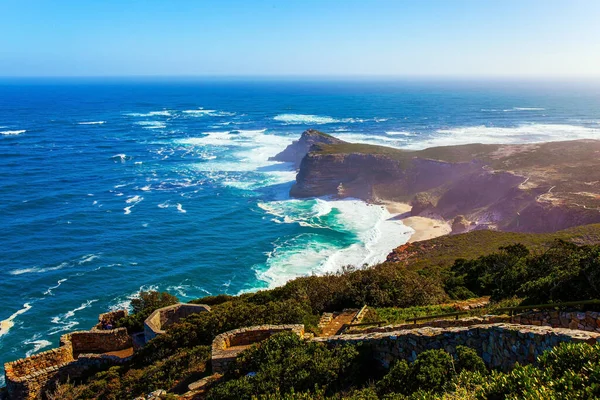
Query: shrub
288, 364
144, 305
431, 370
467, 359
430, 373
201, 329
397, 379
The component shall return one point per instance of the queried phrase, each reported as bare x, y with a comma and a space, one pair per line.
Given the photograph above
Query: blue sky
465, 38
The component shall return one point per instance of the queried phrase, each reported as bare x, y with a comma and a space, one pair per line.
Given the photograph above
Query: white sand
425, 228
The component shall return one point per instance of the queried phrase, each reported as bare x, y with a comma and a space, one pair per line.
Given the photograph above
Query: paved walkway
336, 324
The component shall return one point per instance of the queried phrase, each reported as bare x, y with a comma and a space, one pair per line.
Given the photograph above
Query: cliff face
296, 151
530, 188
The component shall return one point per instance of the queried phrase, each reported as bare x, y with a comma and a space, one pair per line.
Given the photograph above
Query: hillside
285, 366
441, 252
542, 187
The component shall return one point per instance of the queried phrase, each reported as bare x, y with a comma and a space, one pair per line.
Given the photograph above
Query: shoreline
425, 228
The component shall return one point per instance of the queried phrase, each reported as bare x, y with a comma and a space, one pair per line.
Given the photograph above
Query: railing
359, 315
348, 326
426, 317
512, 310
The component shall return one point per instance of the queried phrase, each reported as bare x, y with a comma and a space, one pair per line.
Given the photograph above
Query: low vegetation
538, 269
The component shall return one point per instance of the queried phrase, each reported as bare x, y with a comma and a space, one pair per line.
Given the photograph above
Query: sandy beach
425, 228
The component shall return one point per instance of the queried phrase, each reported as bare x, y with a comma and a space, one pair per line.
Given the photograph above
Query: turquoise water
109, 187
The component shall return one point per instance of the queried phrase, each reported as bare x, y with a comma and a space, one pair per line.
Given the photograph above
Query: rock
296, 151
460, 225
157, 394
420, 203
485, 183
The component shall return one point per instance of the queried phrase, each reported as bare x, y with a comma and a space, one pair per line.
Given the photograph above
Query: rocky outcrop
296, 151
460, 225
528, 188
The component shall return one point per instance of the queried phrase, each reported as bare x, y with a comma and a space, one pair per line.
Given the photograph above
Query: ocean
111, 186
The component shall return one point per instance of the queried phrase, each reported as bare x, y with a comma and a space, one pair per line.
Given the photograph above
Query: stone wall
98, 341
111, 317
164, 317
586, 321
78, 353
226, 346
500, 345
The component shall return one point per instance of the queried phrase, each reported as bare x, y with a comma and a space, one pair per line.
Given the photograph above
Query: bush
430, 373
124, 383
285, 363
467, 359
397, 380
563, 272
144, 305
201, 329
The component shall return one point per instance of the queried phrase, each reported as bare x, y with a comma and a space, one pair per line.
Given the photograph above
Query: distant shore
425, 228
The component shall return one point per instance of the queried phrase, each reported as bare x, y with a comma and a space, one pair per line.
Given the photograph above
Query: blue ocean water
112, 186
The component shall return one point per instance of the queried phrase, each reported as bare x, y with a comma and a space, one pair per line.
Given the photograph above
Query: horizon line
316, 77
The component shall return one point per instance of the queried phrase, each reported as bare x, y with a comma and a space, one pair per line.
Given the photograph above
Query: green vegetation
393, 315
563, 272
440, 253
286, 363
143, 306
538, 269
284, 367
176, 371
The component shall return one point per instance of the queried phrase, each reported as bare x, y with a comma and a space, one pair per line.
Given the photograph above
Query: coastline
425, 228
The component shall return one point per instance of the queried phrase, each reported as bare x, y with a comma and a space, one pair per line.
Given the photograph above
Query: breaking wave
17, 132
525, 133
92, 123
344, 232
308, 119
8, 323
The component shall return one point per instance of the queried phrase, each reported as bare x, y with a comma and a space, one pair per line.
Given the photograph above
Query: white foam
525, 133
312, 253
37, 343
51, 288
397, 141
179, 289
18, 132
255, 148
200, 112
125, 304
180, 208
88, 258
163, 113
92, 123
308, 119
524, 109
402, 133
133, 200
8, 323
120, 158
37, 270
152, 124
64, 320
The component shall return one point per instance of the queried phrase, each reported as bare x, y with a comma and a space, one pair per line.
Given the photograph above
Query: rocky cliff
296, 151
531, 187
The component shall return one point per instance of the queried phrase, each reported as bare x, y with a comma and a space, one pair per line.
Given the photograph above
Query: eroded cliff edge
541, 187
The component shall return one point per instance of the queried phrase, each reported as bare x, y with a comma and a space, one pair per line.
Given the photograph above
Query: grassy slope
442, 251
